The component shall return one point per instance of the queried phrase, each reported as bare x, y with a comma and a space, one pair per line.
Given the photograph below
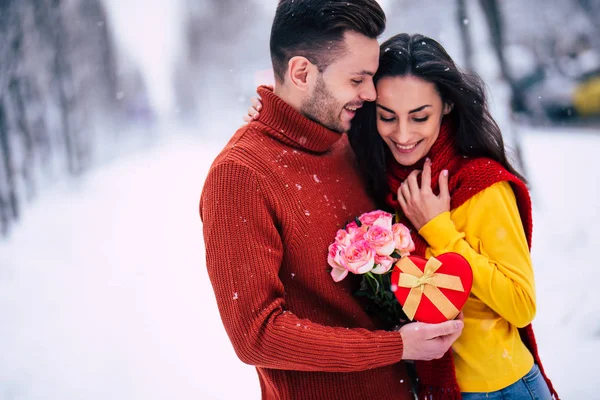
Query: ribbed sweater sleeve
244, 252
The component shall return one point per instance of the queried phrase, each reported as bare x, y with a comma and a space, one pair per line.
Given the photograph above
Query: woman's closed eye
423, 119
384, 119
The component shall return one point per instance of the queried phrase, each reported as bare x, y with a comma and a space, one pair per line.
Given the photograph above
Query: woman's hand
255, 107
420, 204
253, 110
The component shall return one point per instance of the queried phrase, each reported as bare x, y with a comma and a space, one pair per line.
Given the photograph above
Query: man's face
344, 85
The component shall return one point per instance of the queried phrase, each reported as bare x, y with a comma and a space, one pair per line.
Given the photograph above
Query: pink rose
371, 217
351, 225
355, 232
384, 222
359, 257
403, 242
342, 237
381, 239
335, 261
383, 264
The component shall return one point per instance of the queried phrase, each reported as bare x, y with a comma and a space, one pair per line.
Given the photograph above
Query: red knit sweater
271, 204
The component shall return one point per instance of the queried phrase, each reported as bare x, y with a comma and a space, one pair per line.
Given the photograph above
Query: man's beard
323, 108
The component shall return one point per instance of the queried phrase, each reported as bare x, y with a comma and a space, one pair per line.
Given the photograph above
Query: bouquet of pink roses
370, 246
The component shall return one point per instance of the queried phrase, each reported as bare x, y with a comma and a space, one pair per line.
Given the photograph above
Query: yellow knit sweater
489, 355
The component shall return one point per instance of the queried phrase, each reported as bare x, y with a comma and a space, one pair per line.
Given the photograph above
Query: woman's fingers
256, 103
404, 192
252, 112
402, 200
426, 177
443, 181
413, 183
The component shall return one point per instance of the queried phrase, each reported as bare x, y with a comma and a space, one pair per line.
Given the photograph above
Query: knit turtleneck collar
291, 127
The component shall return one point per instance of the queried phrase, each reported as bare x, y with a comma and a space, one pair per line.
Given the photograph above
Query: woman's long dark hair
478, 135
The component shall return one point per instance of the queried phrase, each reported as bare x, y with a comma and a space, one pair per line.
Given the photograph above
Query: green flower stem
372, 281
383, 303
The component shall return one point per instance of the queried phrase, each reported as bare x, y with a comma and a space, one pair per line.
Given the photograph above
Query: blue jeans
531, 386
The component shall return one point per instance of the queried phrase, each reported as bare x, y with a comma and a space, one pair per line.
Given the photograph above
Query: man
273, 201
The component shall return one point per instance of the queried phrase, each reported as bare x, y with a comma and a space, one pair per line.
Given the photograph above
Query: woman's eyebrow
419, 109
386, 109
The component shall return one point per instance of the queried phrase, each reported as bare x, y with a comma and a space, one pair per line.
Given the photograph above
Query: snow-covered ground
563, 170
104, 292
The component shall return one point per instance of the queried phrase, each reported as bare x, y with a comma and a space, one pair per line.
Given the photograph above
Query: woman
429, 149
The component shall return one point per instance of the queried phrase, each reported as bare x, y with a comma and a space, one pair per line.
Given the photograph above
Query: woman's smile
407, 148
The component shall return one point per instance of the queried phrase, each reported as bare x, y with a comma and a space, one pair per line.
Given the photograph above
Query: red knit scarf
467, 177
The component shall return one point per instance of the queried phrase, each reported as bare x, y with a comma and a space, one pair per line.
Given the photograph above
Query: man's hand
426, 342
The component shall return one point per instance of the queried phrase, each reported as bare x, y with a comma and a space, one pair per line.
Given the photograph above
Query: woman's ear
448, 107
300, 71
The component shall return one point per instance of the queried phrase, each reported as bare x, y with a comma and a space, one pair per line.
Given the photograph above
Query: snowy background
103, 288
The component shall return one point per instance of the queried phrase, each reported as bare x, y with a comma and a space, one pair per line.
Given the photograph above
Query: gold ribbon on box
427, 283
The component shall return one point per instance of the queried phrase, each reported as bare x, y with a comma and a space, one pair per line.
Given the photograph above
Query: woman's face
409, 116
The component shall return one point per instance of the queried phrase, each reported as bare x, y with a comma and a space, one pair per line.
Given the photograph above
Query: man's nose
369, 93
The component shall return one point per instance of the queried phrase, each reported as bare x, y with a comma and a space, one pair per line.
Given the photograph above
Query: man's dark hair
315, 29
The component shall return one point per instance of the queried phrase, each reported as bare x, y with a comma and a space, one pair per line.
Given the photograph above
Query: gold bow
427, 283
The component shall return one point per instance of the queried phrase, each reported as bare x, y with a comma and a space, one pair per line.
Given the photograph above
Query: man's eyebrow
364, 72
386, 109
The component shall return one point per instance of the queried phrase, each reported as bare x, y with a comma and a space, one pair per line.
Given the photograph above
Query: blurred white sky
148, 32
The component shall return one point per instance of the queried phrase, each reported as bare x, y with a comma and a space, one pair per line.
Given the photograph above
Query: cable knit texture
271, 204
468, 176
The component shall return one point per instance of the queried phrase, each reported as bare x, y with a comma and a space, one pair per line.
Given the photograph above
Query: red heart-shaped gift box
453, 266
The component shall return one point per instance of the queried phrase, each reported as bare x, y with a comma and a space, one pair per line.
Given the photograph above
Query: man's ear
448, 107
301, 72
